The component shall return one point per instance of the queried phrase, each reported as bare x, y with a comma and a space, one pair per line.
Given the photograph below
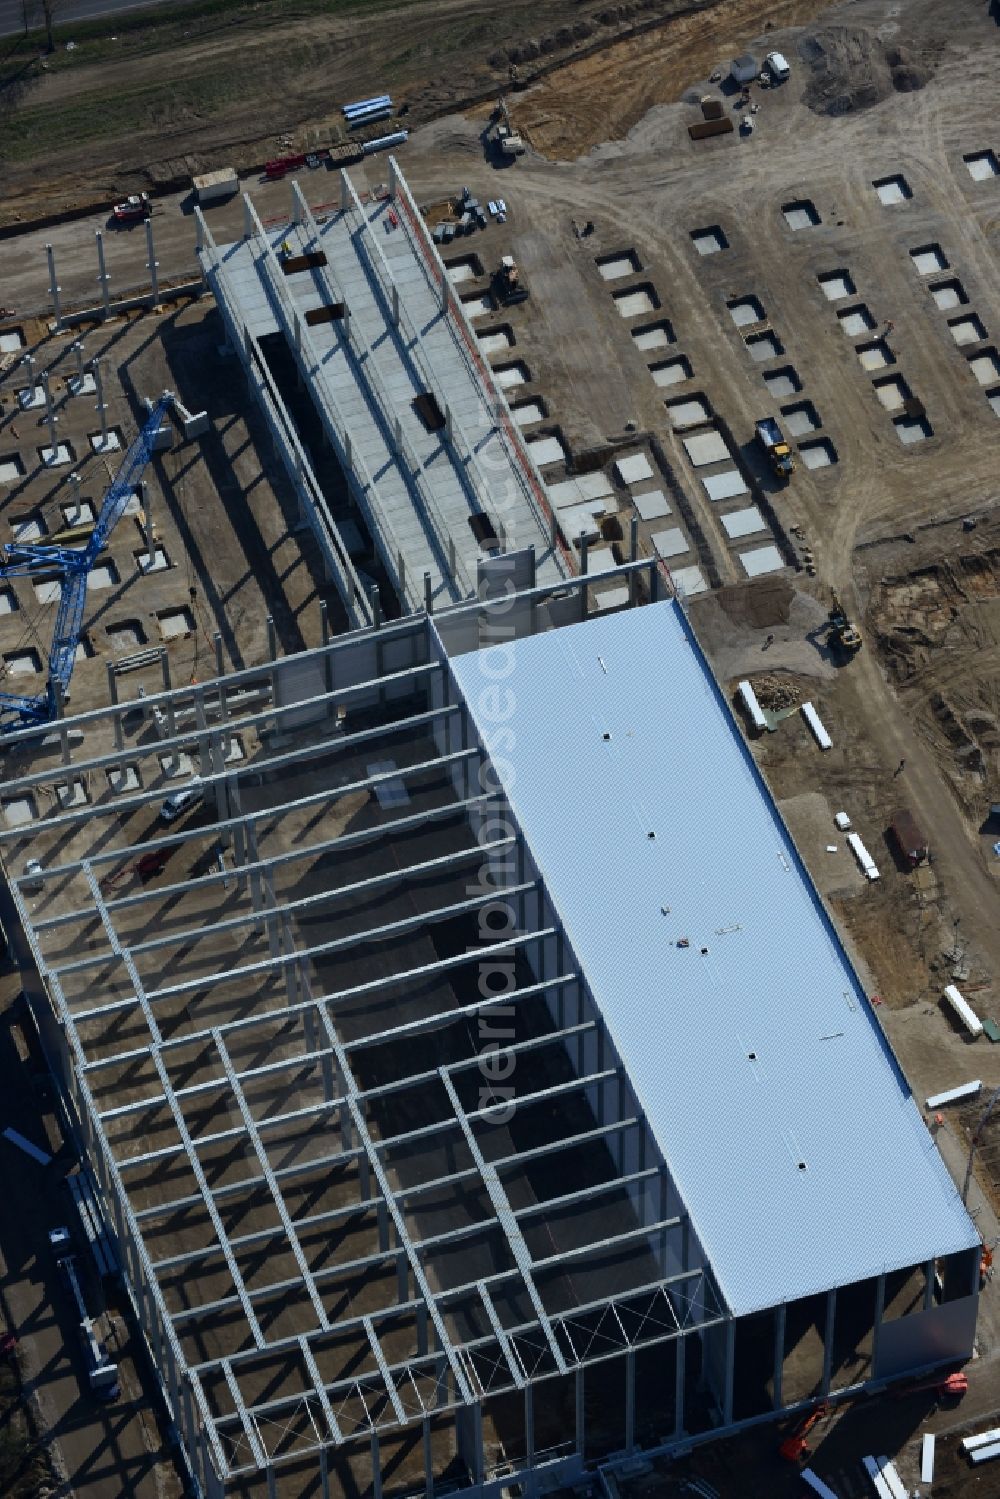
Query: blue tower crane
75, 564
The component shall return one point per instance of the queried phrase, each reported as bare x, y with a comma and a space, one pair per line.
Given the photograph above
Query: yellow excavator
844, 633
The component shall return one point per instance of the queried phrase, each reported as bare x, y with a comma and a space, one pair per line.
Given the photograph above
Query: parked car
182, 800
778, 67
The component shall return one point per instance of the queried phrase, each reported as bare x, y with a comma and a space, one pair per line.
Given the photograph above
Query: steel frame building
438, 471
283, 1031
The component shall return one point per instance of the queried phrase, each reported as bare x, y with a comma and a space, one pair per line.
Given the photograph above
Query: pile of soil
906, 76
851, 70
848, 69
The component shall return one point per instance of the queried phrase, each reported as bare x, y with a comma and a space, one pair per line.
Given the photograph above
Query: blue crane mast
75, 565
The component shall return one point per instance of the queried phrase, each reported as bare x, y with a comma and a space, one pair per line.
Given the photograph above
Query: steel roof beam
191, 936
384, 1142
374, 1038
505, 1216
179, 740
320, 1163
346, 1268
273, 1188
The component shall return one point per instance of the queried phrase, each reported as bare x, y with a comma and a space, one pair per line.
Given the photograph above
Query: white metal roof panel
764, 973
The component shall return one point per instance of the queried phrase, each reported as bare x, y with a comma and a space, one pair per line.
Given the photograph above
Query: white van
182, 800
778, 66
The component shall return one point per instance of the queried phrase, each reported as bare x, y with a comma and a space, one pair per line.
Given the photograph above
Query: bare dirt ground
143, 105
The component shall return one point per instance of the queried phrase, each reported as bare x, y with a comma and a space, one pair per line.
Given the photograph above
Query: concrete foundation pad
546, 450
892, 391
688, 413
875, 355
801, 418
856, 321
891, 190
622, 263
745, 311
967, 330
761, 560
837, 284
929, 258
651, 504
670, 543
762, 346
982, 165
801, 214
633, 303
671, 371
783, 382
656, 336
705, 447
911, 430
53, 457
25, 663
17, 810
601, 560
948, 294
818, 454
579, 521
689, 581
612, 598
709, 241
724, 486
509, 375
985, 366
743, 522
634, 468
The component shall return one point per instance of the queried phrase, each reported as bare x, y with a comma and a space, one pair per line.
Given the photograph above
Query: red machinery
133, 209
795, 1448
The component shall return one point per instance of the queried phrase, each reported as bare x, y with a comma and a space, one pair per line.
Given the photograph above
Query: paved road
12, 11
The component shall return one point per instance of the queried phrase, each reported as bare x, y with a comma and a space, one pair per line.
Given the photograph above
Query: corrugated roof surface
823, 1087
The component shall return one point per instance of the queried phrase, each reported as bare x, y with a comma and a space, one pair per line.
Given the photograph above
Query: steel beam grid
371, 1260
351, 1210
122, 805
648, 1307
374, 986
252, 1183
283, 960
190, 936
234, 1080
297, 463
467, 461
390, 827
180, 740
505, 1217
307, 360
379, 1090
